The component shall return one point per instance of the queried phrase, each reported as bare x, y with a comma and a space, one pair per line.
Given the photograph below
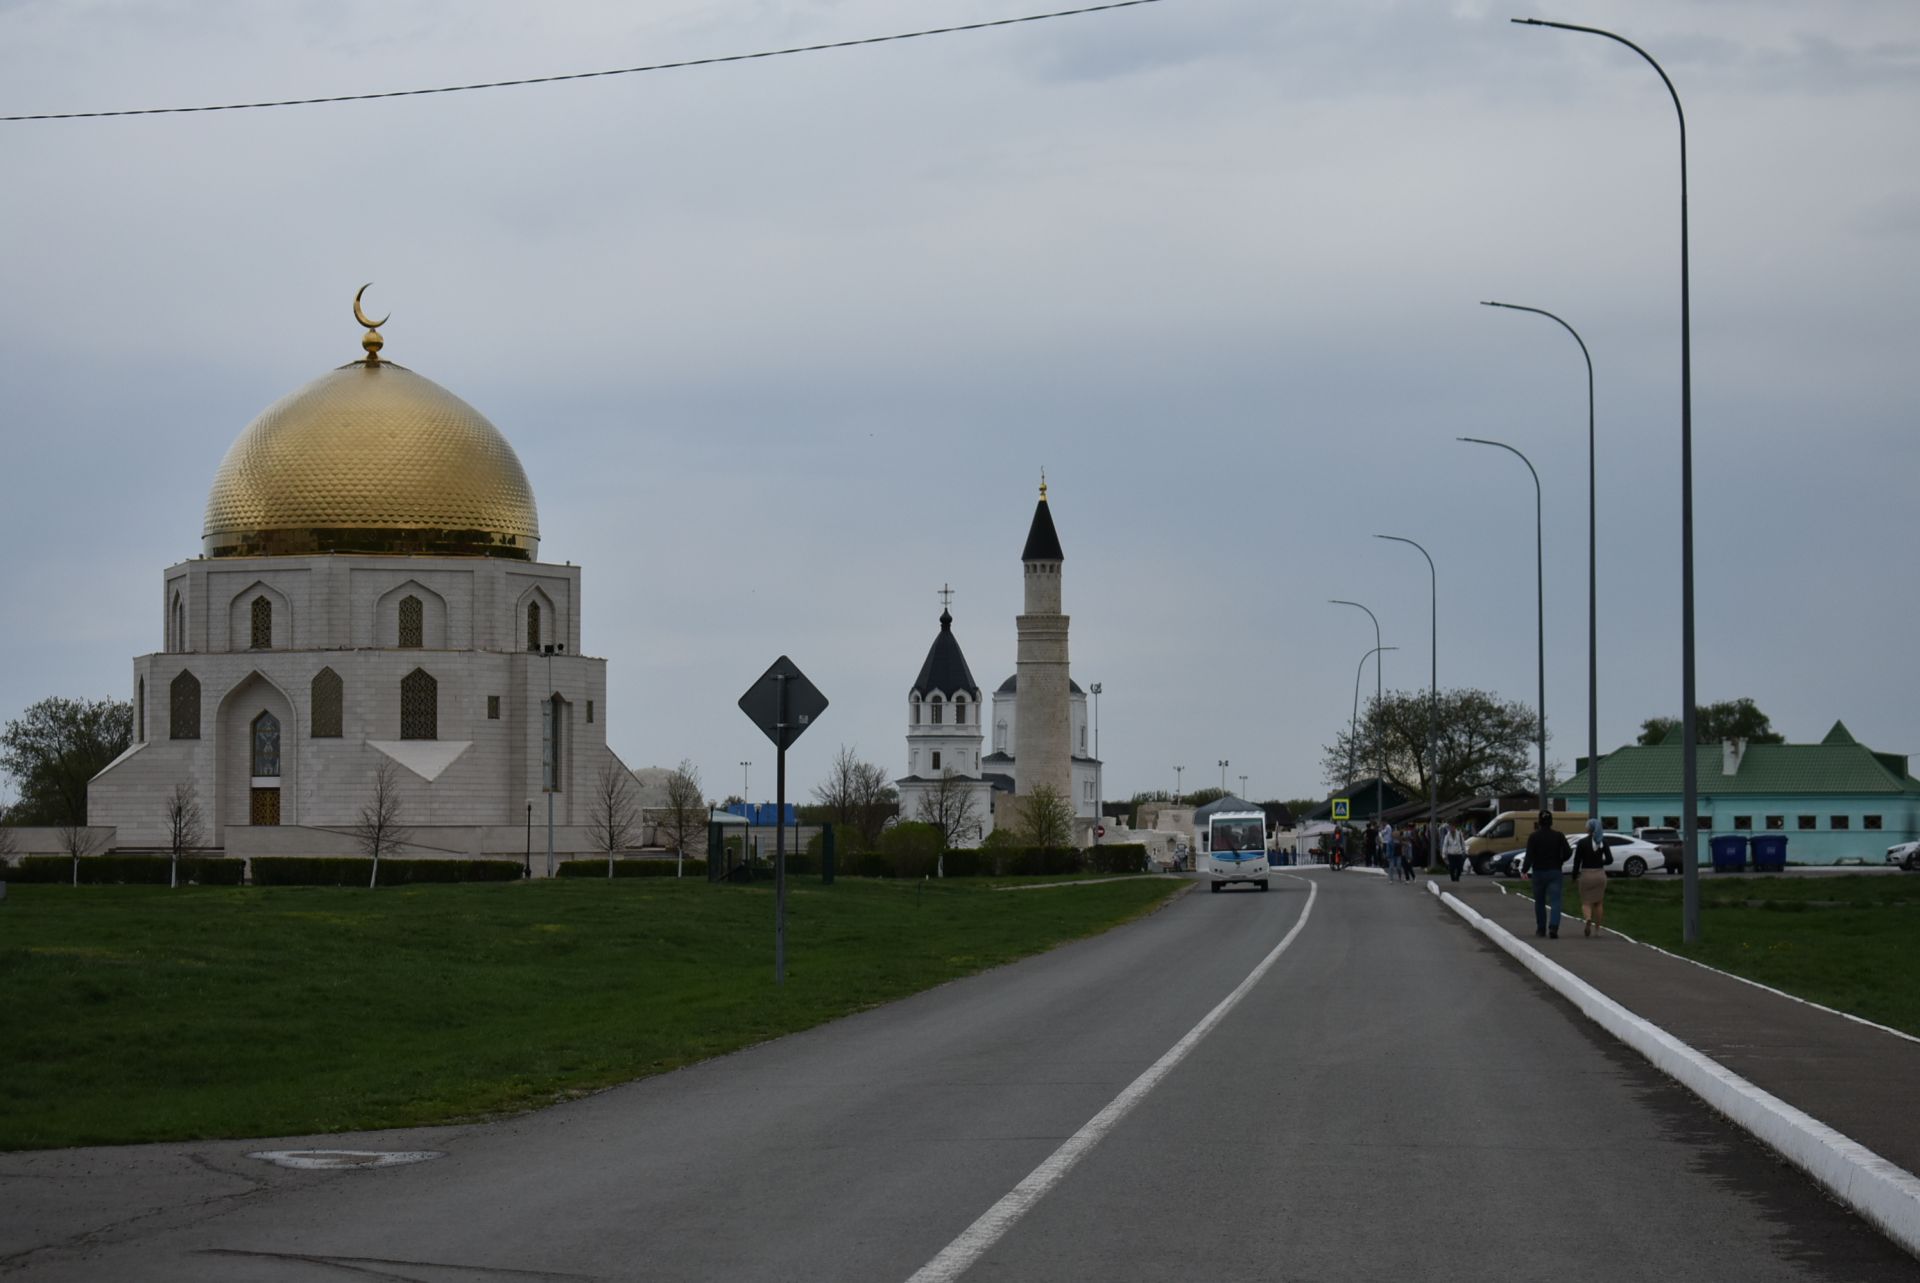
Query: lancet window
183, 714
262, 638
413, 624
419, 706
266, 746
328, 697
533, 625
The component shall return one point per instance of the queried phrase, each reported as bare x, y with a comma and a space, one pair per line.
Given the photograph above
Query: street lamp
1378, 694
1433, 692
1593, 590
1689, 767
1377, 698
1223, 774
529, 867
552, 765
746, 794
1243, 787
1099, 771
1353, 727
1540, 589
1176, 784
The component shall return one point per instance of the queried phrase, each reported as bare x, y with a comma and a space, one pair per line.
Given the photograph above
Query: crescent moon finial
371, 341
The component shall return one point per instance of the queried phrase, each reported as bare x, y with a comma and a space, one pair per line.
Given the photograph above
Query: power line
586, 75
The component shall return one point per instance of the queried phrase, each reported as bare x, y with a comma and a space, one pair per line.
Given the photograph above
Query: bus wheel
1263, 884
1215, 886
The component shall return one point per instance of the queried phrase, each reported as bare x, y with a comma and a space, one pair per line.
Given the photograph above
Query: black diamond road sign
804, 702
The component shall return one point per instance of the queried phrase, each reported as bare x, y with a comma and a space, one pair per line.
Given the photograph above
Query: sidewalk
1856, 1078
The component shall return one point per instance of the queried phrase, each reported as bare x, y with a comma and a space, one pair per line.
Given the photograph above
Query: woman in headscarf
1590, 861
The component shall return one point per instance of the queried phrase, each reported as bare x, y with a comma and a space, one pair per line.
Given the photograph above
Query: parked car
1631, 856
1668, 840
1906, 855
1504, 865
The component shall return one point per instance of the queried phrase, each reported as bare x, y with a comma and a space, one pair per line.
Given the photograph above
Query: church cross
946, 596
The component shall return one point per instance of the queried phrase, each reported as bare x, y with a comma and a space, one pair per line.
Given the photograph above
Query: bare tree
1045, 818
8, 843
612, 821
686, 810
76, 839
858, 795
951, 807
378, 830
186, 827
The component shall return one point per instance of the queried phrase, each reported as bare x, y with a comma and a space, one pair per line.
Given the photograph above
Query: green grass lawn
140, 1014
1847, 942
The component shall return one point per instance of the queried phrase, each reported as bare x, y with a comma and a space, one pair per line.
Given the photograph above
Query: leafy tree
1482, 743
1729, 719
1300, 806
54, 748
1046, 820
912, 838
1200, 797
186, 826
8, 843
611, 810
950, 807
858, 797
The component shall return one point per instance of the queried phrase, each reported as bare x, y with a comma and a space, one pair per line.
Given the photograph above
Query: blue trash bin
1770, 853
1729, 852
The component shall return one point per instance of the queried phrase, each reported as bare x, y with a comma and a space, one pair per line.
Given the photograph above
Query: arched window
140, 709
177, 625
266, 746
413, 623
262, 638
916, 708
552, 734
937, 706
533, 625
183, 713
419, 706
959, 710
327, 697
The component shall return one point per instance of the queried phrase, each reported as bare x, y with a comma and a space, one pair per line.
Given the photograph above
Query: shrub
968, 863
1038, 860
648, 868
334, 871
1120, 857
130, 870
871, 864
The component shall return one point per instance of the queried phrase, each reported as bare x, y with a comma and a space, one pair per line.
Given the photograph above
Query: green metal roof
1840, 765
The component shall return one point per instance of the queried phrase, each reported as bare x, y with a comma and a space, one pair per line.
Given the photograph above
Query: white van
1237, 848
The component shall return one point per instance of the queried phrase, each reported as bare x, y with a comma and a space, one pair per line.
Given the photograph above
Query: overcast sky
784, 344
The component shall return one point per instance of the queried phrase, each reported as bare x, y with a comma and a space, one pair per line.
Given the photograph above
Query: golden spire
372, 341
1043, 485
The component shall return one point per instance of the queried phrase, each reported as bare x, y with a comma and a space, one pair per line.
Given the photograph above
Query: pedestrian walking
1422, 845
1389, 852
1454, 846
1546, 852
1590, 860
1373, 844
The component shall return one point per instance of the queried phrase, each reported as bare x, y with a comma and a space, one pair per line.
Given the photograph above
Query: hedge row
1011, 862
329, 871
632, 868
138, 870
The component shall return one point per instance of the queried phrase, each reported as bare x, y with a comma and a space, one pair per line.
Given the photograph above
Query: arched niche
388, 611
244, 613
536, 622
235, 725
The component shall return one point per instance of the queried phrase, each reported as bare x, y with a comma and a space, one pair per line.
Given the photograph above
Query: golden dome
371, 458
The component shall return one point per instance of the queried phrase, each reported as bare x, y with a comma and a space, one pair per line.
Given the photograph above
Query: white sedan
1905, 854
1631, 855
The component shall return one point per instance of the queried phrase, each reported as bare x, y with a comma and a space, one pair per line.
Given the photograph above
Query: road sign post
1342, 808
783, 703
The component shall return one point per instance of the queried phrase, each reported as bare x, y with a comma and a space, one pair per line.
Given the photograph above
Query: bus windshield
1239, 835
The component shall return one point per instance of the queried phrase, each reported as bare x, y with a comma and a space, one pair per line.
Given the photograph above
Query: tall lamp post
1378, 693
1353, 727
746, 793
1433, 693
1176, 783
1223, 774
1099, 783
528, 871
1243, 788
1540, 589
1689, 766
1593, 582
552, 767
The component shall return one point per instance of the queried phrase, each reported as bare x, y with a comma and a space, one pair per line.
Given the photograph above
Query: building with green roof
1836, 800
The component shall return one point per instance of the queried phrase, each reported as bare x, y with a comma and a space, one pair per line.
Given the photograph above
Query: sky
784, 344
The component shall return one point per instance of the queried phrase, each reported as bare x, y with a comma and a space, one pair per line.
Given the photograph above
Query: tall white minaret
1043, 743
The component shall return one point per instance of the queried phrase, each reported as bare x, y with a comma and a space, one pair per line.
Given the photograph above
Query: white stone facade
343, 635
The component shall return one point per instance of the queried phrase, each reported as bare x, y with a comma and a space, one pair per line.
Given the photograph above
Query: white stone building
943, 744
367, 591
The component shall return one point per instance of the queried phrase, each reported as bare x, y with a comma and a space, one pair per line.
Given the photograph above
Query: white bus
1237, 847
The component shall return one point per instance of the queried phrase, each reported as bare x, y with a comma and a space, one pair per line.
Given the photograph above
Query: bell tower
1043, 747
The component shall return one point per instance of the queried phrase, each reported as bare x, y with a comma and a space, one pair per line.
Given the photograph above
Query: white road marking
956, 1257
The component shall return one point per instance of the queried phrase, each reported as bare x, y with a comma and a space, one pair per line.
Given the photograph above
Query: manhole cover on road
338, 1159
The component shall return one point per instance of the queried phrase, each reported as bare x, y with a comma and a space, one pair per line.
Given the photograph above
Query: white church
1039, 715
368, 590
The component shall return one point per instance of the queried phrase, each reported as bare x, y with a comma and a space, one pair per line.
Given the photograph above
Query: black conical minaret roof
946, 668
1043, 543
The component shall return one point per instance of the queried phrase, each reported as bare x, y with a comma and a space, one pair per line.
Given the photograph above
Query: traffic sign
762, 702
1340, 808
1099, 830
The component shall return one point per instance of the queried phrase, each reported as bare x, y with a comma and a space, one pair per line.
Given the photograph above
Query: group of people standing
1404, 851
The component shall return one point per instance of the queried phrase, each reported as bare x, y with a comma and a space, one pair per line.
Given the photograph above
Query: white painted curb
1885, 1193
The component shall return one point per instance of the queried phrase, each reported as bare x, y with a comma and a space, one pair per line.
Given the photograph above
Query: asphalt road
1391, 1098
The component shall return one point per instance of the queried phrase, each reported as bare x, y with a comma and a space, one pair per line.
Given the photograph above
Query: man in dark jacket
1547, 850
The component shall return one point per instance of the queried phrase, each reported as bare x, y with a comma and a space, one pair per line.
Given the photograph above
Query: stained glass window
183, 722
262, 624
533, 625
328, 696
266, 745
419, 706
413, 625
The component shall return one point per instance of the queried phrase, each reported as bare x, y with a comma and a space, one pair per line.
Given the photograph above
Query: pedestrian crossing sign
1340, 808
